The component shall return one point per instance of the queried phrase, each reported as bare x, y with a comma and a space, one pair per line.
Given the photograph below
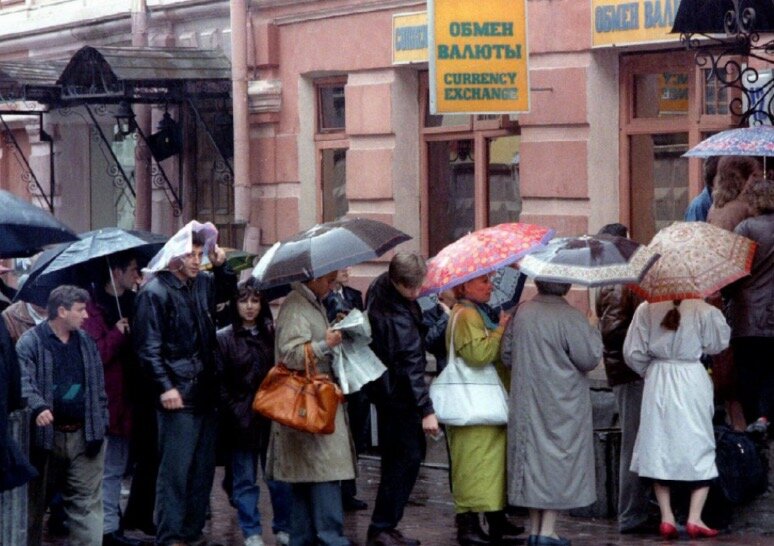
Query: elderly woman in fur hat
750, 311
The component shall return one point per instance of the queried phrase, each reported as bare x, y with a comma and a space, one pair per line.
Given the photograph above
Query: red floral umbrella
482, 252
697, 259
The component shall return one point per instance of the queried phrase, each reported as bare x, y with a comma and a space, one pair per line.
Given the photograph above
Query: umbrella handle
113, 284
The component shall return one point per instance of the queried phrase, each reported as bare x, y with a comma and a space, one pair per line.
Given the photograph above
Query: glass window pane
659, 182
661, 95
504, 194
450, 192
331, 107
334, 184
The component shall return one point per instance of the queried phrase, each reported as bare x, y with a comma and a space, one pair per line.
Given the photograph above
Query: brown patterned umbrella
697, 259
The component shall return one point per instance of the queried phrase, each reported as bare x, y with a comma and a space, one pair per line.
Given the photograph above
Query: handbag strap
310, 361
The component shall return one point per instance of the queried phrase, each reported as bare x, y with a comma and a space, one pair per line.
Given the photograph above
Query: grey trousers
634, 496
80, 480
116, 457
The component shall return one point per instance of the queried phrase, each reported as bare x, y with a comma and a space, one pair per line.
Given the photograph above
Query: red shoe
667, 531
697, 531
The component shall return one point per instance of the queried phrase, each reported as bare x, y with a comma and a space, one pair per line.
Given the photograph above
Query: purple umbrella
752, 141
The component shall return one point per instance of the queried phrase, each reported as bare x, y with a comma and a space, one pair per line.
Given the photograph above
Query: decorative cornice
264, 96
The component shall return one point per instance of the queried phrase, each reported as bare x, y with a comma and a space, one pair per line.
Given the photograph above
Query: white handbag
465, 395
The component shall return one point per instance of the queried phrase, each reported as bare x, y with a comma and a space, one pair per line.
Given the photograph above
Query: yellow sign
409, 38
673, 93
626, 22
478, 56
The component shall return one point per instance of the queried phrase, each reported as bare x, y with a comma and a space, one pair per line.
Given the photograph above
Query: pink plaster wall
369, 174
558, 25
369, 109
554, 169
557, 97
565, 225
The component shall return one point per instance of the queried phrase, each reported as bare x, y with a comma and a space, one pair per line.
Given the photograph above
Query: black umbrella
324, 248
708, 16
81, 262
25, 228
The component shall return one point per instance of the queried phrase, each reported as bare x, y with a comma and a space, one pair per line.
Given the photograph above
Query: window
331, 145
715, 94
471, 174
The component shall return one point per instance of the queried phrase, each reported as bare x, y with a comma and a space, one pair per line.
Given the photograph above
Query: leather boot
469, 531
501, 531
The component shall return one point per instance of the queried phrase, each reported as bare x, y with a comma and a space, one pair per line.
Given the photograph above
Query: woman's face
478, 290
248, 308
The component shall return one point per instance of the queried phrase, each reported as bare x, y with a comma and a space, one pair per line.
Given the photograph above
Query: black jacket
398, 340
615, 308
345, 302
174, 333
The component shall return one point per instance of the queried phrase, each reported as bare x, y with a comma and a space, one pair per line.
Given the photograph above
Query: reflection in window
661, 95
332, 108
334, 184
504, 194
715, 94
450, 192
659, 182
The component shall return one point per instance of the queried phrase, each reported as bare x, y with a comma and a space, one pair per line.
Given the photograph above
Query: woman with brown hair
675, 441
730, 203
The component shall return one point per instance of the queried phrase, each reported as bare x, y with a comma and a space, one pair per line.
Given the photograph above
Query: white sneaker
254, 540
282, 538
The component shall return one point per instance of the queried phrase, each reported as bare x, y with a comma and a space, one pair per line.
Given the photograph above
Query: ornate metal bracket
225, 167
116, 171
160, 180
28, 175
726, 57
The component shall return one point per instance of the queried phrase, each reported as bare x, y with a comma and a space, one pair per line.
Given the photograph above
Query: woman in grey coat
549, 346
314, 464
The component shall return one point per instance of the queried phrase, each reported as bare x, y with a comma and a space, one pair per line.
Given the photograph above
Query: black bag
742, 475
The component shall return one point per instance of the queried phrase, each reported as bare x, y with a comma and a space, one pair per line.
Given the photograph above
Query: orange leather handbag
305, 401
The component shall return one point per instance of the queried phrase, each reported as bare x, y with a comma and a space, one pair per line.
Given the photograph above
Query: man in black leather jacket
404, 410
174, 334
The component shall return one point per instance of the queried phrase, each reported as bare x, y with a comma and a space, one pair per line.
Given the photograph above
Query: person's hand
332, 338
123, 325
504, 318
171, 400
217, 256
44, 418
430, 424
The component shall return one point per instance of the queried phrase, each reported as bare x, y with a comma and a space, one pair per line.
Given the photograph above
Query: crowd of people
106, 370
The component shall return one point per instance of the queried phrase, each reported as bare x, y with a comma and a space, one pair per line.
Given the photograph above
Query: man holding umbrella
174, 337
110, 311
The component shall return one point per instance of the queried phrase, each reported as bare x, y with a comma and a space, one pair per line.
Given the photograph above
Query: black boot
469, 531
501, 531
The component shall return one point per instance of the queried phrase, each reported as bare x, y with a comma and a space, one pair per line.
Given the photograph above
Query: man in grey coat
62, 379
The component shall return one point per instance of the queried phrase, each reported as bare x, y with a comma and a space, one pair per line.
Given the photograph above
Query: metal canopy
30, 80
144, 74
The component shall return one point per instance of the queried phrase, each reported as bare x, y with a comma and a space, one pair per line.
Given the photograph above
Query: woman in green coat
478, 452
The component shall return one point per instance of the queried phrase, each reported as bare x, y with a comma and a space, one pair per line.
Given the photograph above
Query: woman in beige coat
313, 464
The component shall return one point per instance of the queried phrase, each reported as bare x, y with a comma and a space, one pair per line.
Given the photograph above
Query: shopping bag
465, 395
354, 363
302, 400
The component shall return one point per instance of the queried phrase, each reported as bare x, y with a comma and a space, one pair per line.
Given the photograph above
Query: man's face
408, 292
73, 318
127, 279
190, 263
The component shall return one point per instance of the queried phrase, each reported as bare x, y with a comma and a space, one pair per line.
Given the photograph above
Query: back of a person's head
732, 176
761, 196
616, 229
552, 288
407, 269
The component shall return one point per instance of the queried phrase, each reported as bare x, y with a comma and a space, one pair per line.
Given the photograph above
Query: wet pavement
430, 516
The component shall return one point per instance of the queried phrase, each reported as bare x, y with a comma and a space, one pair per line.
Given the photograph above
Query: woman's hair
733, 173
265, 321
671, 320
617, 229
552, 288
407, 269
761, 196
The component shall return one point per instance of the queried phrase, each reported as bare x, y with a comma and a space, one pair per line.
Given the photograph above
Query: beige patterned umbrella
697, 259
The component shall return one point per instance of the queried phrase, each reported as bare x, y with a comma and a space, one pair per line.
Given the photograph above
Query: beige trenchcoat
295, 456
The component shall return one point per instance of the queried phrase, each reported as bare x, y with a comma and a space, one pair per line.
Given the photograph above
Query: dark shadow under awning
708, 16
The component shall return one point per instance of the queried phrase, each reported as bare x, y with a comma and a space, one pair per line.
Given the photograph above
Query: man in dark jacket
174, 338
63, 382
615, 306
404, 410
110, 310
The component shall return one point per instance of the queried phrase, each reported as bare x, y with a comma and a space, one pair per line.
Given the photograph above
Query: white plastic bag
464, 395
354, 363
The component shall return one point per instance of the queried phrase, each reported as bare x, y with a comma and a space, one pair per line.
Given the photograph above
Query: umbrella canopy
697, 259
482, 252
753, 141
324, 248
80, 262
589, 260
25, 228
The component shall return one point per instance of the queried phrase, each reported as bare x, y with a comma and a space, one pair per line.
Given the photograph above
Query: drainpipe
241, 125
142, 112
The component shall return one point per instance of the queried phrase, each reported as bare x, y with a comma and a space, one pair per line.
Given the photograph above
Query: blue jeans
116, 456
246, 494
318, 519
186, 471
